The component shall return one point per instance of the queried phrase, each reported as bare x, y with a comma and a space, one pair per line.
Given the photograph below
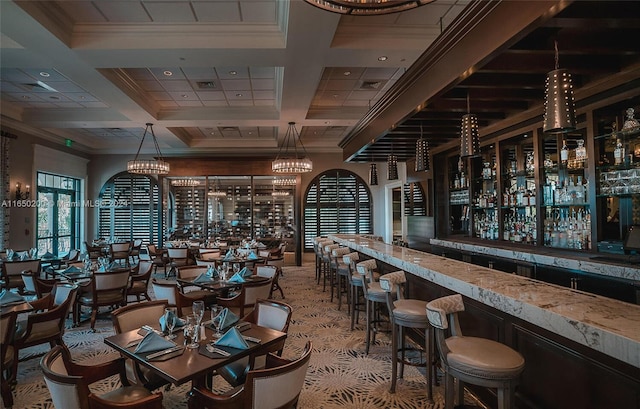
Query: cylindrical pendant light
422, 154
469, 134
373, 175
559, 104
392, 167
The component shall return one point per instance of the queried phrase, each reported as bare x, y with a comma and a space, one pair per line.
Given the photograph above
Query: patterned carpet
340, 374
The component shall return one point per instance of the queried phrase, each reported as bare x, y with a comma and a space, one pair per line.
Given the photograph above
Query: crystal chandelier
284, 163
285, 181
148, 166
185, 182
367, 7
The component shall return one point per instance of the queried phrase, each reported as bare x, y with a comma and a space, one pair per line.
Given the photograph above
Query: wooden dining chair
242, 303
132, 317
139, 281
7, 328
273, 273
168, 290
120, 252
105, 289
277, 386
12, 272
68, 383
178, 257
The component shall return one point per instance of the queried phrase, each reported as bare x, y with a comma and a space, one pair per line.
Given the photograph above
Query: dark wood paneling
215, 166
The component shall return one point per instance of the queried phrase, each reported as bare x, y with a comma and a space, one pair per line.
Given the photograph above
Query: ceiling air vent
370, 85
206, 84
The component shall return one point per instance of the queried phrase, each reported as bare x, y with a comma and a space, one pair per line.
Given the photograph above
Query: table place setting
10, 298
232, 339
155, 346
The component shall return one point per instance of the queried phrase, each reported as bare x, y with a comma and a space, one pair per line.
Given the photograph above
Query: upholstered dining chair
46, 326
12, 272
34, 285
134, 316
169, 291
266, 313
94, 252
68, 383
178, 257
7, 328
139, 280
272, 272
473, 360
105, 289
277, 386
120, 252
134, 251
242, 303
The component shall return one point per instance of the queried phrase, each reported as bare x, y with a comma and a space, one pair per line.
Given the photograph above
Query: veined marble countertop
547, 258
603, 324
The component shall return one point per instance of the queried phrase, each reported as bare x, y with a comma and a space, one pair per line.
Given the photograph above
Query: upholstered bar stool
375, 298
317, 248
326, 262
355, 286
338, 269
406, 313
473, 360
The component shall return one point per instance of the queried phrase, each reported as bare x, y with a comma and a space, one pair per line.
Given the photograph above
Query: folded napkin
153, 342
179, 323
72, 269
203, 278
227, 318
236, 278
233, 339
228, 256
7, 297
48, 255
252, 256
114, 265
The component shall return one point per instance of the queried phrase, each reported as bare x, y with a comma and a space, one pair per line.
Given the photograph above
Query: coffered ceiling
215, 77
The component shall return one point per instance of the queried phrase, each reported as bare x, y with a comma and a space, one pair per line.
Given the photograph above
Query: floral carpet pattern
340, 374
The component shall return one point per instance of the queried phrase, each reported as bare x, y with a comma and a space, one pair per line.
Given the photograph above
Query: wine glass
216, 310
170, 318
198, 310
236, 267
191, 332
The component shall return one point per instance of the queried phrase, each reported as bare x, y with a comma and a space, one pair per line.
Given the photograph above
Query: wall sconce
20, 195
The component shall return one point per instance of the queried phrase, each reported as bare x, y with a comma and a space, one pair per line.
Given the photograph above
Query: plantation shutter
414, 201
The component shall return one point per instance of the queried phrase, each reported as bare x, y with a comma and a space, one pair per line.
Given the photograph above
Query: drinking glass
215, 312
170, 318
10, 254
191, 332
236, 267
198, 310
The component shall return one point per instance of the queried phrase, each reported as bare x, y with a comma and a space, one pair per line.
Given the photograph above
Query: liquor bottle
564, 153
618, 153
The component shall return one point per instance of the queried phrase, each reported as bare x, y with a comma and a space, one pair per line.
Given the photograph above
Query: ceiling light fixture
283, 163
392, 167
217, 192
285, 181
559, 104
148, 166
367, 7
469, 134
422, 153
373, 174
190, 182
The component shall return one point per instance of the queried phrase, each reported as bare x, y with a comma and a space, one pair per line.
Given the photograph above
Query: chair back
67, 391
49, 325
111, 280
134, 316
12, 271
29, 280
277, 386
337, 254
165, 291
145, 268
7, 328
94, 252
187, 272
73, 255
206, 263
351, 259
144, 254
255, 291
209, 254
272, 314
62, 292
177, 253
266, 271
443, 313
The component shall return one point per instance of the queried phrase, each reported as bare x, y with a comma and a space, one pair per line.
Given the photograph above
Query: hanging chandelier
392, 167
279, 193
190, 182
373, 174
367, 7
284, 181
422, 153
559, 104
216, 192
469, 134
148, 166
284, 163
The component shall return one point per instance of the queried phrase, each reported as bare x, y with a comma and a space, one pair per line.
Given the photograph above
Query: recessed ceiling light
44, 74
238, 95
167, 73
383, 58
233, 72
184, 96
26, 97
82, 97
347, 73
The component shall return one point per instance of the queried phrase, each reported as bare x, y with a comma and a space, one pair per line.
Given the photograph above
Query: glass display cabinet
485, 205
458, 195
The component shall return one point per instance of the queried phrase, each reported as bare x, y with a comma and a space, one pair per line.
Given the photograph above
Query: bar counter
602, 324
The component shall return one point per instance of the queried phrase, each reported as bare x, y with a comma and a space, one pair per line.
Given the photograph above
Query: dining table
194, 365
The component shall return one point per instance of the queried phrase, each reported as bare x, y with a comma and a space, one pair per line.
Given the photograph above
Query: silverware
164, 352
252, 339
215, 350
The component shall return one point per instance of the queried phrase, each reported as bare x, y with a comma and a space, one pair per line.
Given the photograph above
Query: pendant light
367, 7
392, 167
559, 104
152, 166
373, 174
469, 134
422, 153
284, 162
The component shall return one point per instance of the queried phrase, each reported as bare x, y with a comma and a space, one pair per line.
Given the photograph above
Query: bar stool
407, 313
317, 248
355, 283
374, 296
477, 361
326, 262
338, 269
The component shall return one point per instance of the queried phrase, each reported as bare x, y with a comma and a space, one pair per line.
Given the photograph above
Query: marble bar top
603, 324
547, 258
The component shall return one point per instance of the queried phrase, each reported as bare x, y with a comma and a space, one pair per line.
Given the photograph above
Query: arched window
129, 208
337, 201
